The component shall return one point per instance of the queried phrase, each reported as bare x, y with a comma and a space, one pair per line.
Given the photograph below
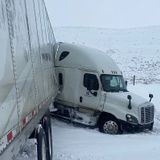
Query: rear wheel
41, 145
109, 125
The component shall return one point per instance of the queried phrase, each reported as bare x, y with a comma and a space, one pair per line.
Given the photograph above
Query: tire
48, 131
109, 125
151, 127
41, 145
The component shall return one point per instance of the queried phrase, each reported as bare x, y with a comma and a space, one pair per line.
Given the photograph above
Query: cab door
89, 96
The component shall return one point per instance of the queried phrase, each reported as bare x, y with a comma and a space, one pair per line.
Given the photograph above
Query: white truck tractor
92, 91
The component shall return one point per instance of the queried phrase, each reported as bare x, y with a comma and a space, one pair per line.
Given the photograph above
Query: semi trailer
92, 91
27, 77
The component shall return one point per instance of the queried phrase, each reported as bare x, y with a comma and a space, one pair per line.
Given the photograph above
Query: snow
73, 143
136, 51
29, 151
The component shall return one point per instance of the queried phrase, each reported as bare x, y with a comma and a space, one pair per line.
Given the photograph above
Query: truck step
77, 121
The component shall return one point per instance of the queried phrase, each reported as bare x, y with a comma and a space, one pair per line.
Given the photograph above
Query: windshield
113, 83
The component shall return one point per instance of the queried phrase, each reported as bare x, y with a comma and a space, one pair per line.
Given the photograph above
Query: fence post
134, 80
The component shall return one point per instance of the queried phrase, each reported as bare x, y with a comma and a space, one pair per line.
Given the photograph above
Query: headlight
131, 119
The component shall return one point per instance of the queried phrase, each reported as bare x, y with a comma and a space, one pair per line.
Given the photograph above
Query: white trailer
93, 92
27, 81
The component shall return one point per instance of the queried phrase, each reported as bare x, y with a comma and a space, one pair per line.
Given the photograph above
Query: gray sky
104, 13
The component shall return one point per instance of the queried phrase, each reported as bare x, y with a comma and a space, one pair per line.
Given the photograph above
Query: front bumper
135, 127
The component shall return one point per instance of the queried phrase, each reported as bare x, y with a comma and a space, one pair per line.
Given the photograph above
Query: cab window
90, 81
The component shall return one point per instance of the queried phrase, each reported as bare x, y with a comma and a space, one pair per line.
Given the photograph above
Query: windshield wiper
118, 90
114, 90
124, 90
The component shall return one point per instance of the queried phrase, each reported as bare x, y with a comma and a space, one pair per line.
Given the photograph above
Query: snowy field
137, 52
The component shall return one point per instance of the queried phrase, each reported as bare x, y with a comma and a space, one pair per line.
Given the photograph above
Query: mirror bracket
93, 93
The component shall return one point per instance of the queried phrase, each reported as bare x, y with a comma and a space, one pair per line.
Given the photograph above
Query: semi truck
85, 84
27, 77
92, 91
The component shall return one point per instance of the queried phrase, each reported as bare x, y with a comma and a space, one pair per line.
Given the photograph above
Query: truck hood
120, 98
117, 104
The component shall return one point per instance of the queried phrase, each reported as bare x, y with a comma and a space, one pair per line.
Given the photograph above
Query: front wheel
109, 126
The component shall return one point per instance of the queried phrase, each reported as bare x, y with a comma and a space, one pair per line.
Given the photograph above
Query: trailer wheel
48, 131
109, 125
41, 145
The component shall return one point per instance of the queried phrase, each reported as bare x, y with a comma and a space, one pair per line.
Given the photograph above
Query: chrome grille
147, 114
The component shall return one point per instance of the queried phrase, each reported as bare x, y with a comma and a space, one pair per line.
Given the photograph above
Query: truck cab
92, 91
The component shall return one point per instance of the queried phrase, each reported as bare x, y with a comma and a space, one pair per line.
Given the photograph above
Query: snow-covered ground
137, 52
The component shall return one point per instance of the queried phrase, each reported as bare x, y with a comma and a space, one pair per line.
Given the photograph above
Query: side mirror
150, 96
95, 94
129, 97
129, 105
126, 83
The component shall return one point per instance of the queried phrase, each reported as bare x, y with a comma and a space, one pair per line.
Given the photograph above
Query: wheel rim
110, 127
44, 155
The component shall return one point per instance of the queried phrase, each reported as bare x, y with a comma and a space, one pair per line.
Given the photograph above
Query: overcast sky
104, 13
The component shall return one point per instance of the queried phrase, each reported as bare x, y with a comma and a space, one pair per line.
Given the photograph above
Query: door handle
81, 99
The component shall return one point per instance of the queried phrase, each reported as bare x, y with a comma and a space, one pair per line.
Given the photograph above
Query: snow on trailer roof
82, 57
